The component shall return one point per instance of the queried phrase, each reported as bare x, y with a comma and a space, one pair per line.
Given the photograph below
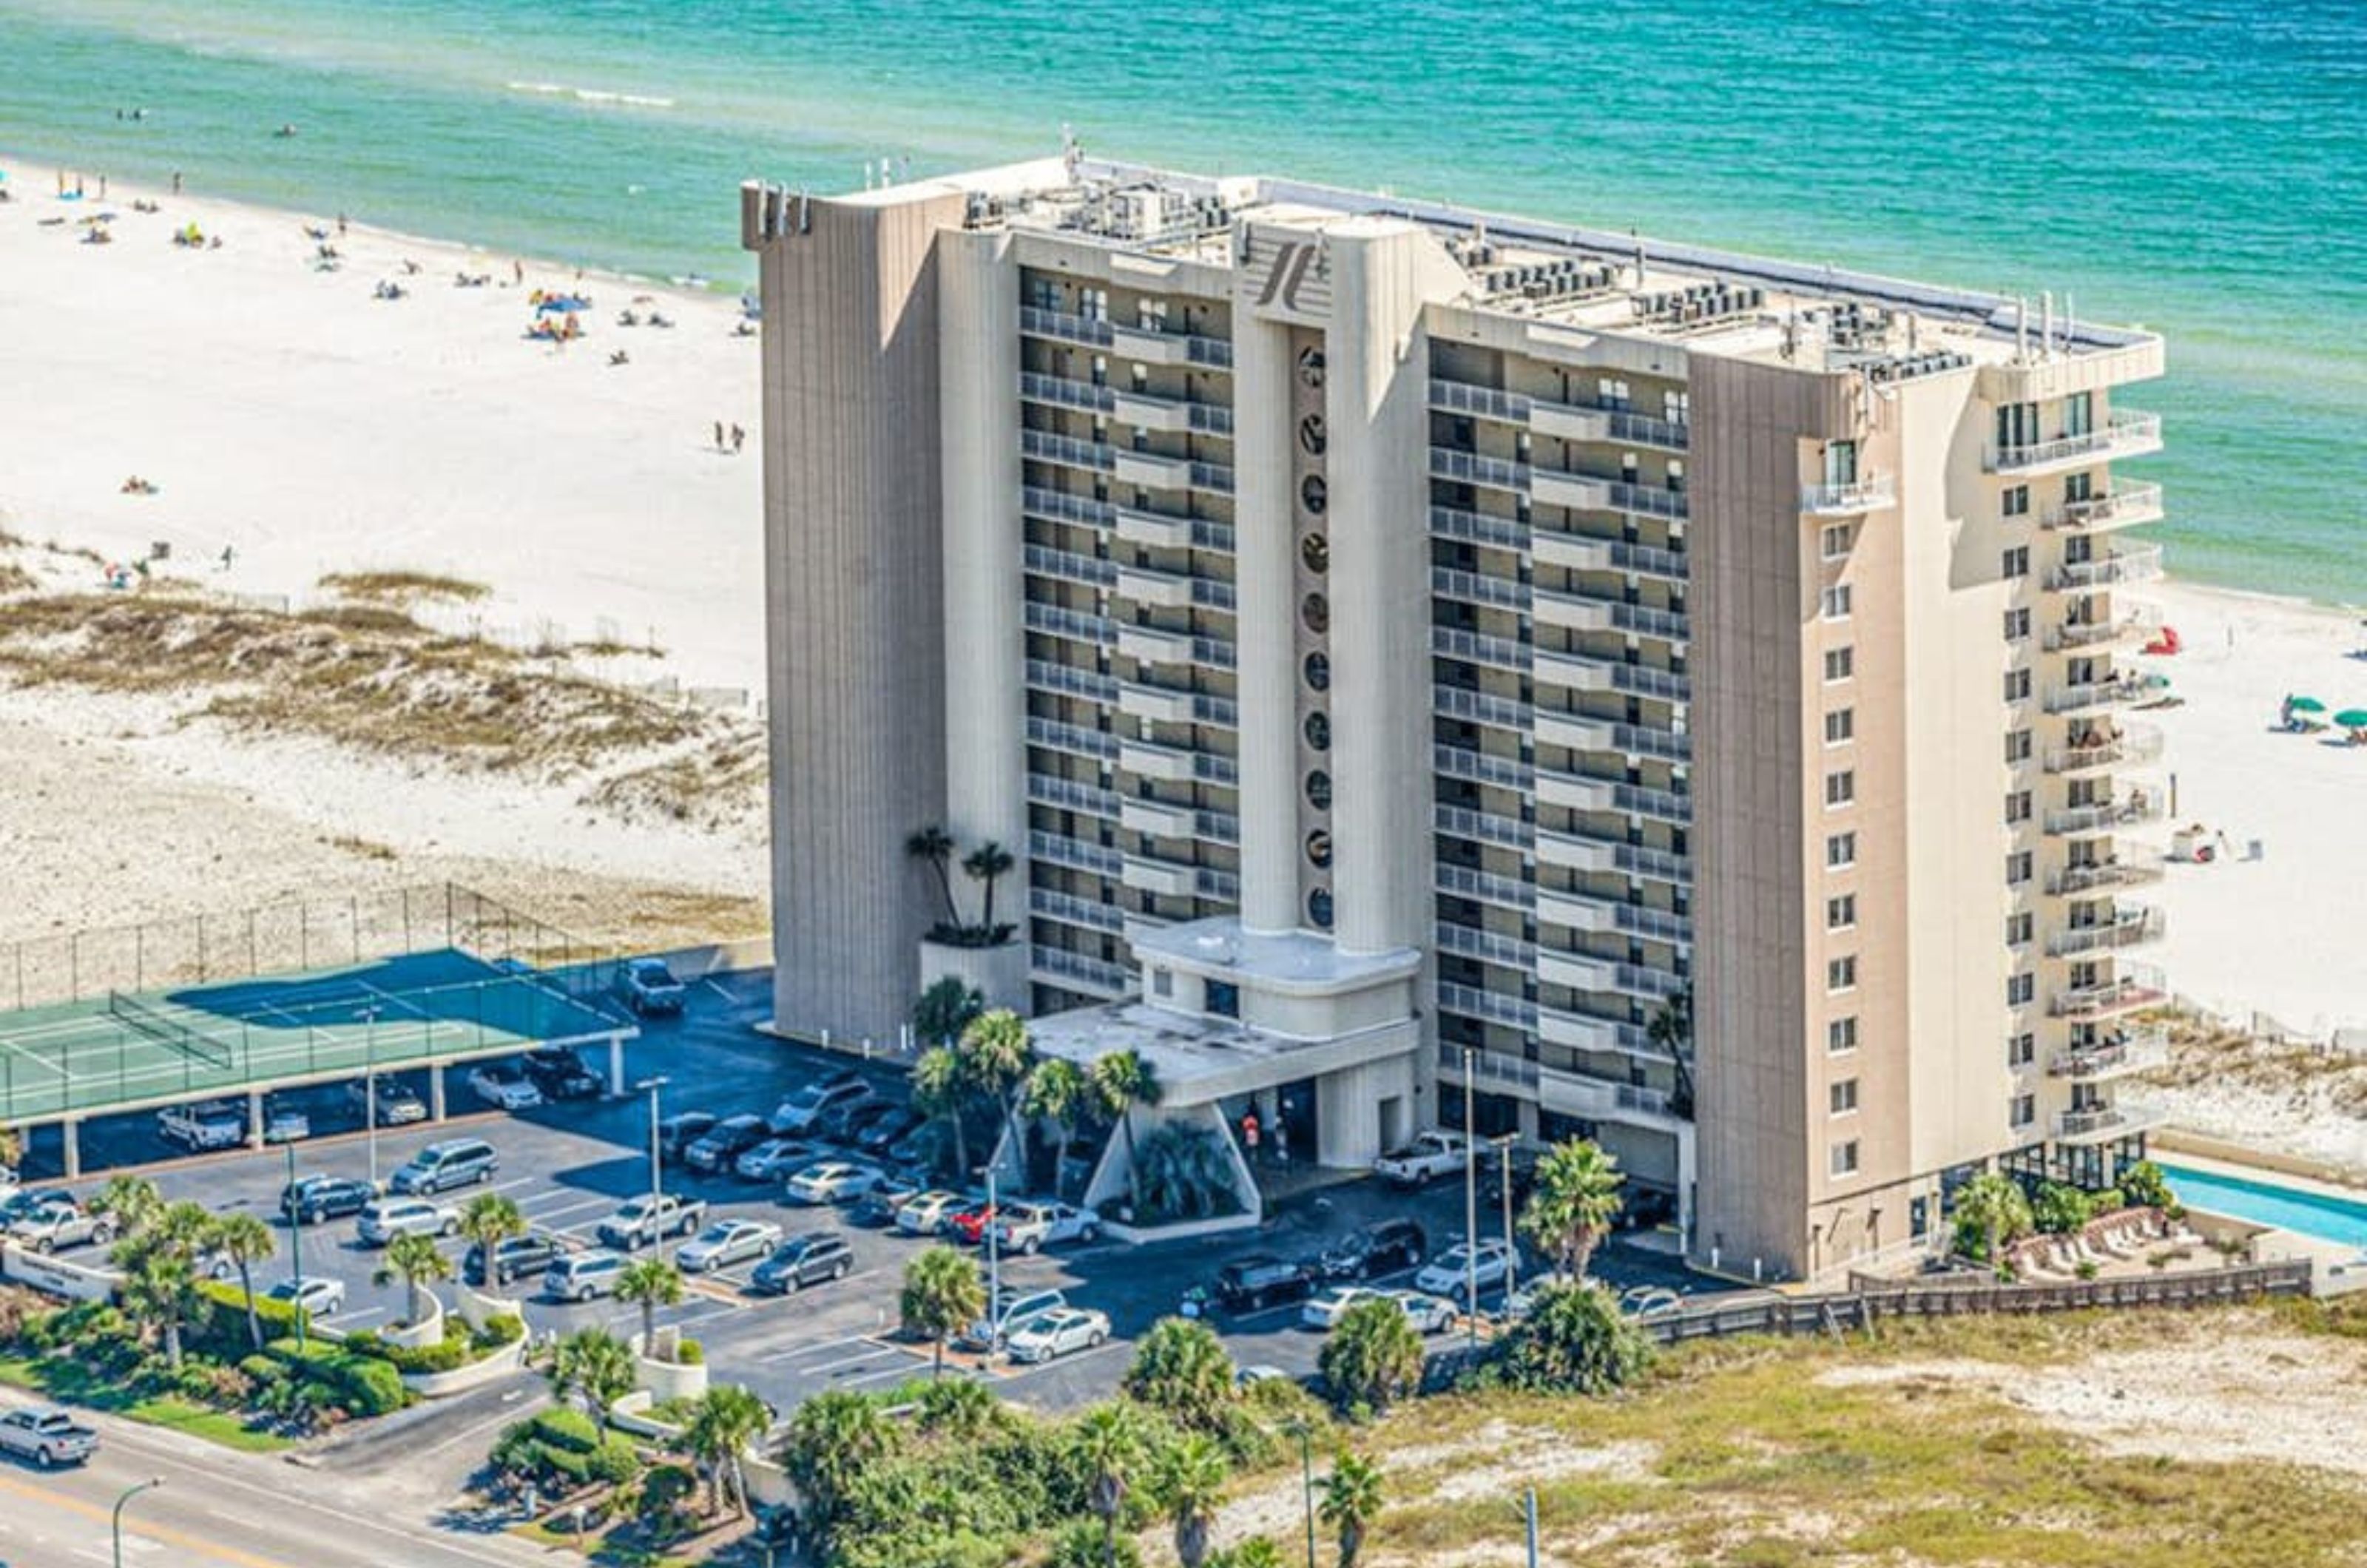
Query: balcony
1577, 792
1151, 470
2139, 987
1144, 411
1169, 705
2103, 1124
2113, 569
1151, 346
1159, 818
1153, 585
1581, 552
1061, 392
2135, 746
2130, 506
1062, 327
1052, 620
1583, 732
2124, 865
2137, 625
1462, 397
1603, 1099
1481, 707
1494, 1006
1054, 507
2089, 821
1074, 855
2126, 433
1067, 794
1090, 914
1596, 913
1175, 764
1478, 647
1473, 588
1075, 972
1092, 457
1087, 686
1874, 493
2132, 1051
1073, 739
1042, 560
1154, 645
2093, 696
1480, 767
1556, 487
1486, 887
1597, 853
1479, 528
1579, 422
1484, 828
1489, 947
2126, 928
1469, 467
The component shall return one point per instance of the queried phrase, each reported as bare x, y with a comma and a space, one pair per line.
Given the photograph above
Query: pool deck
2339, 1268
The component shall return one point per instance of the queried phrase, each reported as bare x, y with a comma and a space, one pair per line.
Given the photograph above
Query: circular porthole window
1312, 436
1318, 729
1318, 790
1319, 672
1318, 847
1319, 908
1310, 366
1316, 611
1314, 494
1316, 551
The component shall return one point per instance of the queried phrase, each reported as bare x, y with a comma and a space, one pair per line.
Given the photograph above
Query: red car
971, 1223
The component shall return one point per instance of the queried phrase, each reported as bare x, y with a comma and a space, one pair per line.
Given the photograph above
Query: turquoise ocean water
2199, 166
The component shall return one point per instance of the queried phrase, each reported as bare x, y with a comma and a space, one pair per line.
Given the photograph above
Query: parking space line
796, 1350
343, 1318
1015, 1372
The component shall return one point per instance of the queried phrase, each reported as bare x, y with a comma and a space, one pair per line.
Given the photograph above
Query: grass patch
69, 1382
15, 579
405, 587
600, 1549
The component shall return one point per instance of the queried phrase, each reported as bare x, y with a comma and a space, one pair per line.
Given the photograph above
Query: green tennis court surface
119, 1050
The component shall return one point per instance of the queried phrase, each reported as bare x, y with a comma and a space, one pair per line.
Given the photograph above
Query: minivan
583, 1276
802, 1109
988, 1332
456, 1162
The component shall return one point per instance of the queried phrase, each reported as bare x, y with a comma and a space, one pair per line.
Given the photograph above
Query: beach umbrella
2352, 718
2305, 704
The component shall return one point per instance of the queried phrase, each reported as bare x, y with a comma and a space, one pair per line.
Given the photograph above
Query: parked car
776, 1158
678, 1132
1459, 1266
57, 1227
313, 1199
28, 1200
726, 1242
1384, 1247
927, 1214
517, 1258
1326, 1307
648, 987
1006, 1311
1057, 1333
397, 1106
561, 1074
810, 1258
644, 1221
47, 1436
1428, 1313
885, 1201
724, 1143
892, 1126
285, 1122
1430, 1156
800, 1111
1649, 1301
505, 1088
580, 1276
844, 1123
455, 1162
1261, 1279
1031, 1227
384, 1219
968, 1223
320, 1298
208, 1124
832, 1181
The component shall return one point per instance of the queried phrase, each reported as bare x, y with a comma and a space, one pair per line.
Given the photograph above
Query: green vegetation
402, 586
943, 1293
70, 1382
651, 1283
1992, 1213
1373, 1358
1574, 1340
1573, 1204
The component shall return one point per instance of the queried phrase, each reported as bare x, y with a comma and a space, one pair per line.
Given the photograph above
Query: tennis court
117, 1050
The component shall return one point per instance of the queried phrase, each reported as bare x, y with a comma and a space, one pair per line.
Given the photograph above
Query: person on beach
517, 273
177, 182
738, 436
229, 555
341, 225
719, 435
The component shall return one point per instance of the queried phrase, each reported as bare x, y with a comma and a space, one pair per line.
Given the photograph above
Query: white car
1326, 1307
320, 1297
927, 1214
832, 1181
387, 1218
726, 1242
776, 1158
1057, 1333
1428, 1314
285, 1124
1029, 1227
1448, 1274
505, 1088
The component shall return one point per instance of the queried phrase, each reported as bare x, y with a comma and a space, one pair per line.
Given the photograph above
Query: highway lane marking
156, 1532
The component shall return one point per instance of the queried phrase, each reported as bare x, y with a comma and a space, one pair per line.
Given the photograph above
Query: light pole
1307, 1485
117, 1524
657, 1177
370, 1086
295, 1242
1504, 1174
1471, 1207
993, 1260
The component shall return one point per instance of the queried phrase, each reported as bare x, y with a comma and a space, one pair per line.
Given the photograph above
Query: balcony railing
2126, 507
1065, 394
2138, 987
1074, 739
1464, 882
1512, 1012
1036, 321
1481, 707
2142, 564
1462, 397
1489, 947
2127, 927
1045, 446
1076, 854
1068, 566
1067, 794
1038, 502
2126, 433
1463, 763
1069, 910
2103, 1122
1484, 827
1077, 972
1070, 682
1496, 652
1871, 493
1479, 528
2079, 696
2137, 1051
1473, 588
1051, 620
2136, 745
2129, 865
1470, 467
2131, 626
2137, 806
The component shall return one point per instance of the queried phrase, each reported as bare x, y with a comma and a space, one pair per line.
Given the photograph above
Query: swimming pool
2310, 1214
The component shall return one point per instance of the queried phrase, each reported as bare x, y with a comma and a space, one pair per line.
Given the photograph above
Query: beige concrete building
1406, 647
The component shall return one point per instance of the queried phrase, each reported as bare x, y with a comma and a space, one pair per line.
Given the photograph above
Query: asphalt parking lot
568, 1166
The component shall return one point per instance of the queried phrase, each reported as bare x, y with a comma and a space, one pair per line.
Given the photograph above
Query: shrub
566, 1428
2059, 1209
1575, 1340
219, 1327
615, 1461
507, 1328
2143, 1185
690, 1353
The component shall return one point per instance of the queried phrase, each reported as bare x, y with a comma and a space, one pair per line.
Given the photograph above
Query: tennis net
168, 1030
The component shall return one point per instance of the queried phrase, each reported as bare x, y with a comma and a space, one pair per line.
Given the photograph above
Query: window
2017, 685
1162, 982
2017, 622
2016, 562
1840, 463
2017, 747
2020, 989
1840, 1034
1841, 788
2017, 929
2078, 488
2017, 501
1841, 664
2080, 414
1609, 393
1841, 1097
2017, 807
2022, 1050
2023, 1109
2017, 868
1840, 974
1840, 726
1841, 913
1833, 601
1841, 850
1224, 998
1844, 1158
1833, 543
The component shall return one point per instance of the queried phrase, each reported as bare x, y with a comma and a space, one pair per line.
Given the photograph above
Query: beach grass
404, 587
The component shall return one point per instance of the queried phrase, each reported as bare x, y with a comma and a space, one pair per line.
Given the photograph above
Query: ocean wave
591, 95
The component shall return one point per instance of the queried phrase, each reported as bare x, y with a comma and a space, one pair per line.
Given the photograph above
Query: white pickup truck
211, 1124
1432, 1153
47, 1436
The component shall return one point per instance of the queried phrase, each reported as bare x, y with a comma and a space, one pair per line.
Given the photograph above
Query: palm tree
1056, 1091
246, 1241
963, 1409
1670, 1030
1189, 1482
649, 1283
596, 1364
158, 1255
12, 1147
1183, 1172
413, 1260
133, 1200
728, 1418
1121, 1081
1573, 1204
1182, 1370
1110, 1445
1992, 1213
833, 1440
490, 1219
1575, 1340
158, 1284
935, 846
1373, 1355
987, 862
995, 1055
1352, 1495
942, 1293
940, 1088
945, 1009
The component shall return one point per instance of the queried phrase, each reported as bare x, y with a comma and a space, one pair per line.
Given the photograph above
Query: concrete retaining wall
55, 1277
427, 1331
475, 1375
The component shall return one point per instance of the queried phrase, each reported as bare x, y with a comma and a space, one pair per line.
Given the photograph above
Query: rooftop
1282, 961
